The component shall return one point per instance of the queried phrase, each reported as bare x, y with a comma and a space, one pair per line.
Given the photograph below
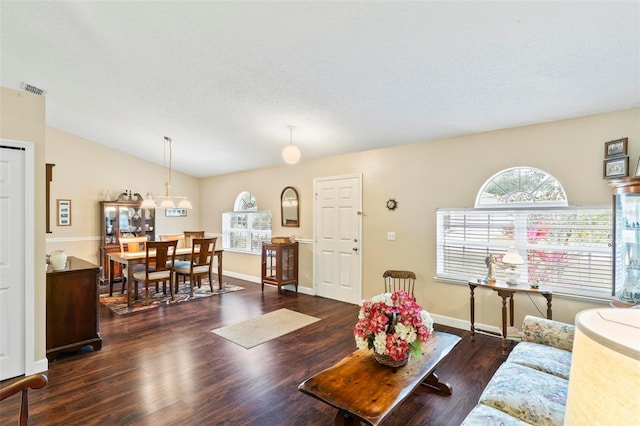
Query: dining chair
129, 245
190, 235
22, 386
174, 237
160, 259
399, 280
201, 262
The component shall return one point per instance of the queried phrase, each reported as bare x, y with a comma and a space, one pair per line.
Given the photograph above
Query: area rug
118, 302
266, 327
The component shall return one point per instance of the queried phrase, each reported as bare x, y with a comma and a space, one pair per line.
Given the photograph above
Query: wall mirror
290, 207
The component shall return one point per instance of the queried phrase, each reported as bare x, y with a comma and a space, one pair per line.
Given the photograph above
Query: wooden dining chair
129, 245
174, 237
190, 235
201, 262
399, 280
159, 267
34, 381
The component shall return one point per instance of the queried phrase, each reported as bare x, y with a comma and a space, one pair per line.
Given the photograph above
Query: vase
390, 362
58, 260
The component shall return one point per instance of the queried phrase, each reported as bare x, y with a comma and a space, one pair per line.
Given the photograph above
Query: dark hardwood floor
165, 367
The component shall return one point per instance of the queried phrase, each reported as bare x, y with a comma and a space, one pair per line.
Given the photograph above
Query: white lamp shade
512, 258
148, 203
185, 204
605, 368
167, 203
291, 154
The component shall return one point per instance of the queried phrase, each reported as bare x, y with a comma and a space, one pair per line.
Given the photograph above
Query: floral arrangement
393, 324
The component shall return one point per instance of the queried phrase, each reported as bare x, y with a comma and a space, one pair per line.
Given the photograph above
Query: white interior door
12, 262
338, 241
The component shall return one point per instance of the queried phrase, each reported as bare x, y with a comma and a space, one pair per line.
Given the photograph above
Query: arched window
567, 248
245, 228
521, 186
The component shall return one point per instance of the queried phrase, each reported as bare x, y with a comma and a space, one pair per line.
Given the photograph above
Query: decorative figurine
491, 268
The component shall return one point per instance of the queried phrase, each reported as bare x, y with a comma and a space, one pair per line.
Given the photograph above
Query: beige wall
85, 171
423, 177
22, 118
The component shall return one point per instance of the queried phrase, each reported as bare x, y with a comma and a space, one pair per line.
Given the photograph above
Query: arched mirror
290, 207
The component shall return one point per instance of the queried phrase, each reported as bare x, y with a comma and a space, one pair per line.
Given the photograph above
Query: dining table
129, 259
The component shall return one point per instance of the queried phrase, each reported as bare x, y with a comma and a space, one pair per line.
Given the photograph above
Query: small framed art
616, 168
616, 148
64, 212
175, 212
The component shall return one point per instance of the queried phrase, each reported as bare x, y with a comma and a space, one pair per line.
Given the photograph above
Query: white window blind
246, 231
567, 249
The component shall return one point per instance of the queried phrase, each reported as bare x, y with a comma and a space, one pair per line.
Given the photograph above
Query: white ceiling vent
32, 89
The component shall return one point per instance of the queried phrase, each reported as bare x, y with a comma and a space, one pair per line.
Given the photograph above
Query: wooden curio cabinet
280, 264
122, 218
626, 241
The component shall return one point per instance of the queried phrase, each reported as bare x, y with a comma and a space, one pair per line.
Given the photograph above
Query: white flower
362, 343
383, 298
427, 320
380, 343
406, 333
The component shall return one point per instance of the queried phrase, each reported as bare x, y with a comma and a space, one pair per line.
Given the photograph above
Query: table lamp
512, 259
605, 368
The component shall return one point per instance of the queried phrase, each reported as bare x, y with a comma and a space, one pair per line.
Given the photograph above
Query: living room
421, 176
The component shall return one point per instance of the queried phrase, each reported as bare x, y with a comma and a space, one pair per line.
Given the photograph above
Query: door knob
355, 249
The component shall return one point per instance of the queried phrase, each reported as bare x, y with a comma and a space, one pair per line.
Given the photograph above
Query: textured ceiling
225, 79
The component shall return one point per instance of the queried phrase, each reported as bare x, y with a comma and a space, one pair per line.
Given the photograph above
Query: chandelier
291, 153
167, 200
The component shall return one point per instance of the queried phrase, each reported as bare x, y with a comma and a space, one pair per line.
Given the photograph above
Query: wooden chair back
133, 244
161, 255
202, 252
35, 381
174, 237
399, 280
190, 235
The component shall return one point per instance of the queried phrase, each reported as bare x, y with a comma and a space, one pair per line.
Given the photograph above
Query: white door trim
29, 254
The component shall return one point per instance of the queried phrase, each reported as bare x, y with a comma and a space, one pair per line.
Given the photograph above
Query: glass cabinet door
110, 226
626, 248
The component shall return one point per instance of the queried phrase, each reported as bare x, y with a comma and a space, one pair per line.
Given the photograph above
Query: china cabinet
280, 264
122, 218
626, 241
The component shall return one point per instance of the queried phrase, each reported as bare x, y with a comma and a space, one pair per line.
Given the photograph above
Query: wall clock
392, 204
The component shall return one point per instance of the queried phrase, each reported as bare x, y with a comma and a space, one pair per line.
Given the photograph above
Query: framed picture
64, 212
616, 167
175, 212
616, 148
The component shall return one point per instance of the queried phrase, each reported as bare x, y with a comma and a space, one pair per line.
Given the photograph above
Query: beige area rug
266, 327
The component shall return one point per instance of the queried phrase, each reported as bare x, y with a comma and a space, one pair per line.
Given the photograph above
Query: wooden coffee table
363, 390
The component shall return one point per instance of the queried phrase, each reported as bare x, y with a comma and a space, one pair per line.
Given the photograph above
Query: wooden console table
363, 390
505, 291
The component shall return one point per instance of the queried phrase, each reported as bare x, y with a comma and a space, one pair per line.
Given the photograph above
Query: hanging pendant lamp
291, 153
166, 200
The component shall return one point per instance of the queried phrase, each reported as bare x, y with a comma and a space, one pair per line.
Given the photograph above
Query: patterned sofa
531, 386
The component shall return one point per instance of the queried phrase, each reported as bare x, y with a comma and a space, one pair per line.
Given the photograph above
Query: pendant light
166, 200
291, 153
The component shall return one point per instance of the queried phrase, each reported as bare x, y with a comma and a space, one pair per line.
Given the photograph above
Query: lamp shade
605, 368
512, 258
291, 154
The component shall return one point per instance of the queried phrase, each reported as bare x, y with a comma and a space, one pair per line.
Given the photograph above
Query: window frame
257, 225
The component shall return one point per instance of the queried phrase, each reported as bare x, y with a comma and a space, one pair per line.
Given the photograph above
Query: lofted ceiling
225, 79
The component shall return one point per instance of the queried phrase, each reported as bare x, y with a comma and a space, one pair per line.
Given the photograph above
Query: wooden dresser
72, 308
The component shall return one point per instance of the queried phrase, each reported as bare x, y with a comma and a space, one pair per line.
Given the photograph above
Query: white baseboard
256, 279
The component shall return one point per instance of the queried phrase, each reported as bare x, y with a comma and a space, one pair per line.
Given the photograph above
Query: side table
505, 291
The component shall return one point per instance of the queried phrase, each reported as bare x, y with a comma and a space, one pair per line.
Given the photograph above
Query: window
565, 248
246, 228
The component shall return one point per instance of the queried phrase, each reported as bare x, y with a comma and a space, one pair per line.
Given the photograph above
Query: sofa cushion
548, 332
527, 394
543, 358
487, 416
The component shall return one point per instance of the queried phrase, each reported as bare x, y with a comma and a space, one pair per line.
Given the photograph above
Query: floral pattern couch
531, 386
